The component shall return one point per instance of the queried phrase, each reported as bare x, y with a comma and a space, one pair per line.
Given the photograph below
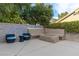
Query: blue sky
62, 7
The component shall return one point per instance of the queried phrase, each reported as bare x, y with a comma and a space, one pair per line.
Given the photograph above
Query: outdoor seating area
39, 29
35, 42
20, 33
51, 35
10, 38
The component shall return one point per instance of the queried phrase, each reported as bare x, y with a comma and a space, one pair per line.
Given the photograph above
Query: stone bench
51, 35
35, 32
52, 39
56, 32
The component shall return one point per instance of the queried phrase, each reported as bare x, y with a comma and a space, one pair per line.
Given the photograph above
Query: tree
25, 12
9, 13
18, 13
63, 14
42, 14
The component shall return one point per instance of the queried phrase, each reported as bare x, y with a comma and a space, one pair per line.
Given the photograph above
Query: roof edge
66, 16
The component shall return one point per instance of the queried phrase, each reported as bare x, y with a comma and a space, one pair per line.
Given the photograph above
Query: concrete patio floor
37, 47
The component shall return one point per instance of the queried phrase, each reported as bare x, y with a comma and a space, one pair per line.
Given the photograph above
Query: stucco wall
72, 18
6, 28
17, 29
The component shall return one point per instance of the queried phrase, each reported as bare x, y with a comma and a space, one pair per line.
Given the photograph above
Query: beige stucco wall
72, 18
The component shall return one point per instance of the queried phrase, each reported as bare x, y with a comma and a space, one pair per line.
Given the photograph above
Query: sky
62, 7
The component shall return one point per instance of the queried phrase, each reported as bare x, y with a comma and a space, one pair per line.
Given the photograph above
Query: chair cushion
10, 35
24, 34
27, 36
11, 38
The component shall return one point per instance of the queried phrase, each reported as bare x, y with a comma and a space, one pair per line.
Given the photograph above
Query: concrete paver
10, 49
37, 47
58, 49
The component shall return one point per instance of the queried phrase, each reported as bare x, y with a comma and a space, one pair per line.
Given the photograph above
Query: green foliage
68, 26
63, 14
71, 26
10, 14
25, 13
42, 14
55, 25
